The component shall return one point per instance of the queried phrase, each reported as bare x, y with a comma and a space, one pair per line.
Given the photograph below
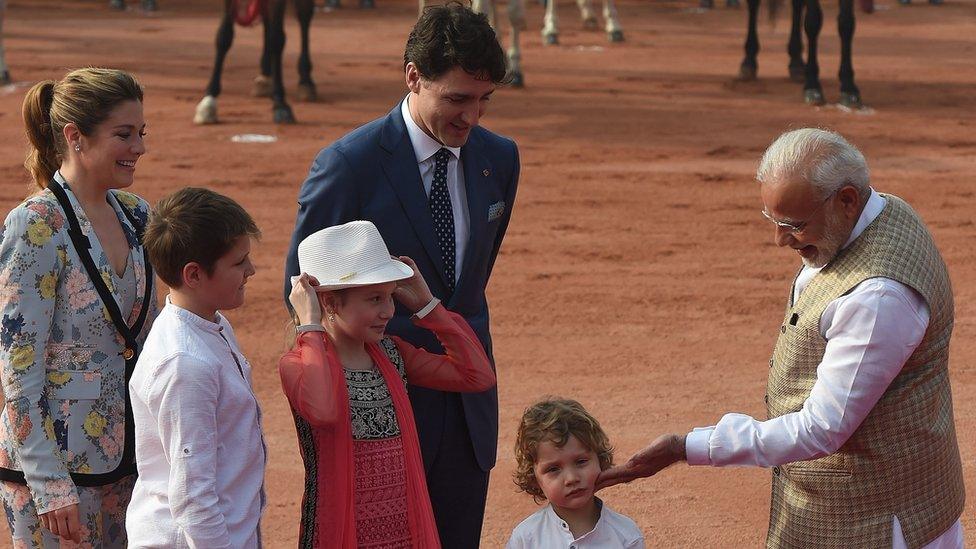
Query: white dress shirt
545, 530
870, 334
199, 447
425, 147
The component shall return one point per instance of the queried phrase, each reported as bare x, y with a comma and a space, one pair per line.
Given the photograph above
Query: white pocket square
496, 210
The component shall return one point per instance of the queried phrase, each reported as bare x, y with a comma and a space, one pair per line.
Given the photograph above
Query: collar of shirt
196, 320
553, 518
424, 146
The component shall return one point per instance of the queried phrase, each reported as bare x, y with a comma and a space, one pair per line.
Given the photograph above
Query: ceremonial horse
808, 72
269, 83
4, 73
550, 29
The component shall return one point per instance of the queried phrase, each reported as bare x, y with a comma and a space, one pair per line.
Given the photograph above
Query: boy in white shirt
199, 448
560, 450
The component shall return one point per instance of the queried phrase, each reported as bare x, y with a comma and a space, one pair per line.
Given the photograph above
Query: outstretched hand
412, 292
664, 451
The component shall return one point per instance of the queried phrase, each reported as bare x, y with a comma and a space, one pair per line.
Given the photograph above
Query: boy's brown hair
194, 225
553, 420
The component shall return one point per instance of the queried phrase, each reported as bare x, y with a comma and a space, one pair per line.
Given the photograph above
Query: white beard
833, 238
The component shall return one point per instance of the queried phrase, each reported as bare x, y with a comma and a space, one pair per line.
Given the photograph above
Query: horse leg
262, 82
4, 72
812, 23
795, 45
750, 65
516, 19
206, 112
586, 14
850, 96
550, 29
486, 7
305, 9
614, 32
275, 18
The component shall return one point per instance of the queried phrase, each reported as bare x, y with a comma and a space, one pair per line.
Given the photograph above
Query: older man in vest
860, 434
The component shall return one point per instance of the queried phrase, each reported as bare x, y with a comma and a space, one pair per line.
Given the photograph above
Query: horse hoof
206, 111
367, 4
615, 36
732, 3
283, 115
307, 93
590, 23
116, 4
814, 97
851, 101
551, 39
747, 72
261, 87
798, 73
149, 5
516, 79
706, 4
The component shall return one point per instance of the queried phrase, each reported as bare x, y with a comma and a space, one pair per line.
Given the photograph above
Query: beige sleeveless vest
903, 460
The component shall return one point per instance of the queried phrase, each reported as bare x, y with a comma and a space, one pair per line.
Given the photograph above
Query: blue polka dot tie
442, 213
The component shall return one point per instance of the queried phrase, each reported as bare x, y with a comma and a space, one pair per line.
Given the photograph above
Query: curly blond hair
555, 419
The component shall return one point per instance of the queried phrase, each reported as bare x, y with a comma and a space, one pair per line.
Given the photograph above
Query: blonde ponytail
85, 98
43, 156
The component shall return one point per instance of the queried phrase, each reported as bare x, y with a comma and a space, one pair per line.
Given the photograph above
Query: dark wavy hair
553, 420
452, 35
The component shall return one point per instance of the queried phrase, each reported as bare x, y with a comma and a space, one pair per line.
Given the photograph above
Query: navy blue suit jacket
372, 174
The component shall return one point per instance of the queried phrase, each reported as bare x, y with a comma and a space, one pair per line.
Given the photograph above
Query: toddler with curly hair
560, 450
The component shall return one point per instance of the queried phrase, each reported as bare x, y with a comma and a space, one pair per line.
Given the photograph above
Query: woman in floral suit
76, 299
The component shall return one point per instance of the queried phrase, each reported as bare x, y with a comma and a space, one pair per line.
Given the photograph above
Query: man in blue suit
440, 189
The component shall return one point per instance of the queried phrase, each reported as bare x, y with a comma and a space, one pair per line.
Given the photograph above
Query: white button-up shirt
425, 147
545, 530
870, 334
199, 447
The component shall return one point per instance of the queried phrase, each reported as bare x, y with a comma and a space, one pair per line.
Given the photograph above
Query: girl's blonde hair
85, 97
554, 420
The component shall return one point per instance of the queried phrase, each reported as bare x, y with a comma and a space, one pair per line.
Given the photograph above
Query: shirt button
776, 471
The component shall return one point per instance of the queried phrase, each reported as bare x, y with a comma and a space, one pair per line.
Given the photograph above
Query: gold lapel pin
487, 173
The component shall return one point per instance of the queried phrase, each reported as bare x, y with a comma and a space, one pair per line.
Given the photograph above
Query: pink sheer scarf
336, 512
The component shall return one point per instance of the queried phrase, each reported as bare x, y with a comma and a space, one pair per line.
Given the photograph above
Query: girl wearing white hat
346, 383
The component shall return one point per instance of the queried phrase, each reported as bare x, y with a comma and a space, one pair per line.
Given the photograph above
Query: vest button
766, 399
782, 329
770, 363
776, 471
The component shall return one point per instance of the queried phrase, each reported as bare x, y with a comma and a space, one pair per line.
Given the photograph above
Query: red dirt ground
638, 275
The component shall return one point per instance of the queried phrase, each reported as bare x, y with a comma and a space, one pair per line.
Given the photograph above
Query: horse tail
250, 12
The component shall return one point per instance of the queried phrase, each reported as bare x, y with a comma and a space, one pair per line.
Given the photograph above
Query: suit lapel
403, 174
476, 166
96, 251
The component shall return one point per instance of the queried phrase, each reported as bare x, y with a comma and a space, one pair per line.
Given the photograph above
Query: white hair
821, 158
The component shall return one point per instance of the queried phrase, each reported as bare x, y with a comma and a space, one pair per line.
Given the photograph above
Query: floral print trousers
102, 510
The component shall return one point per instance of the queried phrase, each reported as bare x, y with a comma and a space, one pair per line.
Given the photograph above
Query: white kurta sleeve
870, 334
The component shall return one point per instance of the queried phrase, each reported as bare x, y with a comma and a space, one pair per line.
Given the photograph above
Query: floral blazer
61, 361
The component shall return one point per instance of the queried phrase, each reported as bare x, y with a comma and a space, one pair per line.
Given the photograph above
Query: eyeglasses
797, 228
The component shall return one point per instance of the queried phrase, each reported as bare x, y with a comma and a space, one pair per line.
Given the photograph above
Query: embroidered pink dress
388, 506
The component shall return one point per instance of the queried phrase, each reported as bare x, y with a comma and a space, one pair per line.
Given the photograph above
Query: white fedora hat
349, 255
